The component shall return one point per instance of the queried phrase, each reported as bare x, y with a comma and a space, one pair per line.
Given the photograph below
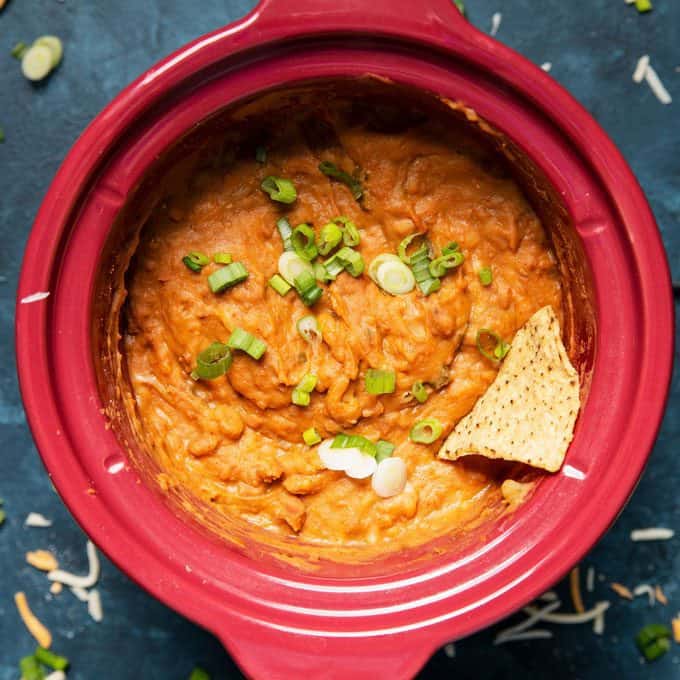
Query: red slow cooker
385, 619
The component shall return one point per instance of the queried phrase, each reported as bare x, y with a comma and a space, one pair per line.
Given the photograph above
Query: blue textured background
593, 46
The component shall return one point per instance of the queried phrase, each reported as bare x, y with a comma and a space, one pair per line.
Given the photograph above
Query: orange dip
236, 442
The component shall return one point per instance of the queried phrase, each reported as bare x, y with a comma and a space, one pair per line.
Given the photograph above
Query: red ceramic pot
278, 621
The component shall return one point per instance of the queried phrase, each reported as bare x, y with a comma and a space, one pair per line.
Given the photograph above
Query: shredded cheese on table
495, 23
660, 595
75, 581
42, 559
450, 650
56, 675
35, 519
94, 606
546, 66
590, 579
676, 628
622, 591
656, 86
510, 634
575, 588
652, 534
556, 617
645, 589
31, 621
641, 68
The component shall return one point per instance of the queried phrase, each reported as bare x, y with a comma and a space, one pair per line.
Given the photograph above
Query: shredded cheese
590, 579
556, 617
75, 581
80, 593
450, 650
546, 66
535, 634
622, 591
538, 615
56, 675
660, 595
35, 519
676, 628
94, 606
548, 596
641, 68
652, 534
645, 589
56, 588
656, 86
575, 589
35, 297
34, 626
496, 22
42, 559
598, 625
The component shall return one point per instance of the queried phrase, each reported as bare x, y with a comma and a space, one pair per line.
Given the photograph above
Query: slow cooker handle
439, 17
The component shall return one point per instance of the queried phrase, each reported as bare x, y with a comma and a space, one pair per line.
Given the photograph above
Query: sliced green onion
351, 260
279, 284
441, 265
500, 349
261, 154
331, 170
354, 441
308, 383
311, 436
350, 233
199, 674
222, 258
426, 431
485, 276
391, 274
3, 516
383, 449
291, 265
405, 244
320, 272
459, 6
279, 189
18, 50
643, 6
196, 261
247, 342
212, 362
226, 277
54, 45
30, 669
286, 231
301, 394
300, 397
36, 62
653, 641
48, 658
308, 328
2, 135
334, 266
419, 391
420, 266
378, 381
304, 242
449, 248
329, 237
307, 288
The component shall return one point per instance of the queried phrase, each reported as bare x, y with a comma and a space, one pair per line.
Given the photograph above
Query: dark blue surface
593, 47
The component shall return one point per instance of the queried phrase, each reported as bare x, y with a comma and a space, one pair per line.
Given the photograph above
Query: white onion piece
335, 459
389, 478
361, 465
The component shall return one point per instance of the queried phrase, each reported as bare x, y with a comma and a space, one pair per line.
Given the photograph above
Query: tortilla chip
528, 413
